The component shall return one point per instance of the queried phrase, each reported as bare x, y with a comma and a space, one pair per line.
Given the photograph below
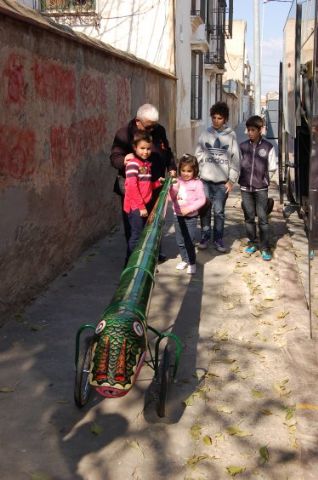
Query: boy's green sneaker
266, 255
250, 249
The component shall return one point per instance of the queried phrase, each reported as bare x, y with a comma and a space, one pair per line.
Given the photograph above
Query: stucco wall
62, 97
145, 29
233, 103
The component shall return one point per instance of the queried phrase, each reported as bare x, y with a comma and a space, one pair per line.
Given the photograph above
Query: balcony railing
68, 7
220, 19
217, 31
214, 59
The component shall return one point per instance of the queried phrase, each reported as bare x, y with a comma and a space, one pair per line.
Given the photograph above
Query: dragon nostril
101, 370
120, 375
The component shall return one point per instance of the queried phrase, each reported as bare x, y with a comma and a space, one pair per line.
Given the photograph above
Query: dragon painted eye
138, 329
100, 327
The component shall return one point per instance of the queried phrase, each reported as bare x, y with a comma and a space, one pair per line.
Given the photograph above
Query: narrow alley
74, 74
238, 407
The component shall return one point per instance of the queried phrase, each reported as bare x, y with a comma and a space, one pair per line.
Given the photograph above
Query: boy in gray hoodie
218, 155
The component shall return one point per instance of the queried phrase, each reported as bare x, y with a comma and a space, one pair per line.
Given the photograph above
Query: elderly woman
147, 117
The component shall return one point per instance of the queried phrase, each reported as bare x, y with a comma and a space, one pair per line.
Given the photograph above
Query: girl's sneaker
181, 266
203, 244
191, 270
219, 246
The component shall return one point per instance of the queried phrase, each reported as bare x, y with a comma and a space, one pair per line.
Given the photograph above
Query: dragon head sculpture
118, 353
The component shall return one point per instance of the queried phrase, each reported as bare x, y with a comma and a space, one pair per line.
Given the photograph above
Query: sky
273, 15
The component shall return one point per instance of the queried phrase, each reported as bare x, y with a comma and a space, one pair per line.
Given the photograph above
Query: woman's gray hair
147, 112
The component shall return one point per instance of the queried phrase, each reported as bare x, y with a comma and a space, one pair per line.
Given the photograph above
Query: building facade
144, 29
236, 78
183, 37
201, 29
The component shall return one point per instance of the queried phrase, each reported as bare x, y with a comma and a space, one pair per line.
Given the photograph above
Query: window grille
68, 7
198, 8
196, 85
220, 18
218, 87
215, 58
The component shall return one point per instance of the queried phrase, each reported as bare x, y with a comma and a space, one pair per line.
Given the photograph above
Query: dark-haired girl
187, 196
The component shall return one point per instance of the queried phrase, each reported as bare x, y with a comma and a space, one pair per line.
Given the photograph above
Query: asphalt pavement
244, 404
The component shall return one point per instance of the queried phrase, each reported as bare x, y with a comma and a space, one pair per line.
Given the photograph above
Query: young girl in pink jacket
187, 196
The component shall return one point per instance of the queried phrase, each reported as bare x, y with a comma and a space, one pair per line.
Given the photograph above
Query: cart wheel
82, 387
164, 379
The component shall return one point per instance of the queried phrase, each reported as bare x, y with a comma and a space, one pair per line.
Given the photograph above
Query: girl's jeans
218, 196
185, 228
255, 203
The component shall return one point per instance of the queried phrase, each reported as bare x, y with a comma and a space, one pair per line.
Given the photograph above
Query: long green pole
121, 341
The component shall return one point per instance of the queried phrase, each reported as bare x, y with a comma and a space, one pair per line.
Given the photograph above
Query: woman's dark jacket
161, 157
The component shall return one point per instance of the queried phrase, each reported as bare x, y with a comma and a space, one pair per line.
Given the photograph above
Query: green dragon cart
109, 360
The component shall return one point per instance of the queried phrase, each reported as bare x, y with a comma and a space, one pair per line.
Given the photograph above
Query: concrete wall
188, 130
145, 29
235, 52
233, 103
62, 97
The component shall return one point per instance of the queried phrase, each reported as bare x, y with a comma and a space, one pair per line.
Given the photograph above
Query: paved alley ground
245, 401
243, 404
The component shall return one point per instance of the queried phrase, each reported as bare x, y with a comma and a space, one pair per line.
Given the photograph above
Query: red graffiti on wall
17, 152
14, 79
69, 144
54, 82
123, 101
92, 91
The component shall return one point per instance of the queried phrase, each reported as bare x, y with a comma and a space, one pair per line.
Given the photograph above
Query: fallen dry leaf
234, 470
195, 459
281, 388
195, 432
234, 430
257, 393
41, 476
265, 411
224, 409
229, 306
6, 389
221, 335
290, 412
264, 453
306, 406
189, 401
207, 440
135, 444
96, 429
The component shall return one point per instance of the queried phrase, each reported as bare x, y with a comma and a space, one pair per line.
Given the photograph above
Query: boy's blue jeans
255, 203
185, 228
216, 192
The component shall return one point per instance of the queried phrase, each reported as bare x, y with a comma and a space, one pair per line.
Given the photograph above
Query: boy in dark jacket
258, 158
